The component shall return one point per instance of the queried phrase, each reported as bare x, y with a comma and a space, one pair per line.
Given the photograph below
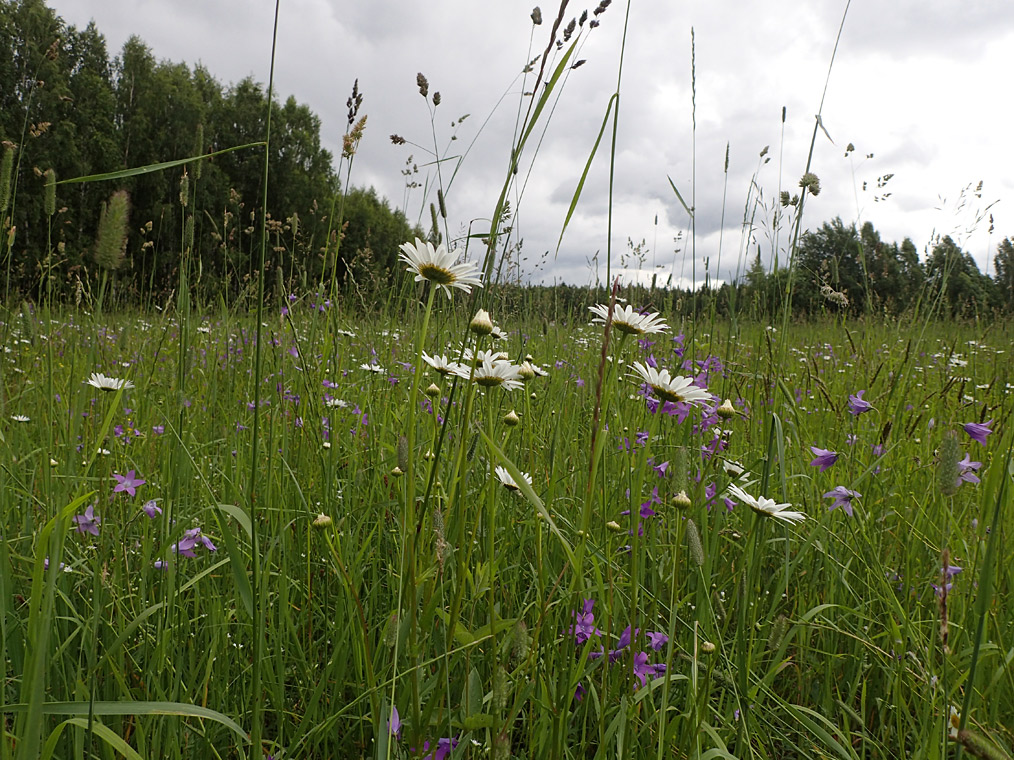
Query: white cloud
920, 85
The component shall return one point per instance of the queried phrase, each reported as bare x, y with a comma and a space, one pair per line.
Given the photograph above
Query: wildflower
373, 368
978, 431
190, 541
437, 265
842, 498
511, 419
321, 521
823, 458
858, 405
967, 470
766, 507
88, 522
628, 321
508, 482
481, 323
151, 509
493, 373
104, 383
21, 418
441, 364
128, 483
673, 389
584, 623
644, 669
657, 640
394, 724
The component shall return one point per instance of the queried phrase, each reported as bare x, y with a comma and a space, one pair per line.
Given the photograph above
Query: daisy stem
406, 590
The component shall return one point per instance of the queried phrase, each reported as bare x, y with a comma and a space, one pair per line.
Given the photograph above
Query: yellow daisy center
436, 274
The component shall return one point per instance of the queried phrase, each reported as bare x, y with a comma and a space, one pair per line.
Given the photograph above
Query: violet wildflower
151, 509
842, 498
823, 458
88, 522
657, 640
190, 541
584, 623
858, 405
967, 470
978, 431
128, 483
394, 724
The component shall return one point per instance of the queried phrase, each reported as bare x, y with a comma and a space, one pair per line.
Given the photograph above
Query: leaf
122, 173
236, 558
526, 489
680, 197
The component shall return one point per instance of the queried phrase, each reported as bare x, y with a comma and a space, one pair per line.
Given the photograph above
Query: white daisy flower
441, 364
508, 482
493, 373
669, 388
21, 418
373, 368
766, 507
437, 265
628, 321
104, 383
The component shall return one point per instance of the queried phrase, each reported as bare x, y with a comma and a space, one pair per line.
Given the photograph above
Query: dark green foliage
67, 107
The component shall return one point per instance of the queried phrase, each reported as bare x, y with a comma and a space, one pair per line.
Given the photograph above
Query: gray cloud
919, 85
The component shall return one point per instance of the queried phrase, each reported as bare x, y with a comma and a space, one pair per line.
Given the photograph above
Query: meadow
625, 600
430, 517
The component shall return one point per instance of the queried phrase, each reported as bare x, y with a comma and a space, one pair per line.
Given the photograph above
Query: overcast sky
922, 86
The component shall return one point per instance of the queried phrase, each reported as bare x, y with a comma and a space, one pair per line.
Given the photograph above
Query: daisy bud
321, 521
433, 391
726, 410
525, 371
534, 396
53, 462
707, 648
614, 526
511, 418
481, 323
397, 472
681, 500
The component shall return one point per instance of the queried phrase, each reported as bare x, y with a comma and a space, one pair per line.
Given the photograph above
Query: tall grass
365, 581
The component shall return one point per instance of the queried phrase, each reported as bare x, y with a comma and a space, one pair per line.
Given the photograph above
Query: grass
821, 638
364, 584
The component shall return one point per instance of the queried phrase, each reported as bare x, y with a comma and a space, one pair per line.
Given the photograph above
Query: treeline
839, 270
68, 110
